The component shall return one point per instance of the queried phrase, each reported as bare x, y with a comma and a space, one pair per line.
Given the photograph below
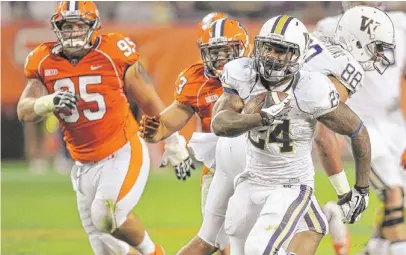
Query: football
263, 100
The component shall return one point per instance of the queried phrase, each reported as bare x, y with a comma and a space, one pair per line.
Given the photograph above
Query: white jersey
328, 57
282, 152
380, 96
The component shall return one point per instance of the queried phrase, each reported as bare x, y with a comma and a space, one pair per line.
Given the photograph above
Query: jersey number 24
280, 135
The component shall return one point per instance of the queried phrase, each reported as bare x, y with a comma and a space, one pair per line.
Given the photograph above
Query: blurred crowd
164, 12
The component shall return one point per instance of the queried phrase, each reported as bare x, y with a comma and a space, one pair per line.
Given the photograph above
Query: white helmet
368, 34
286, 36
346, 5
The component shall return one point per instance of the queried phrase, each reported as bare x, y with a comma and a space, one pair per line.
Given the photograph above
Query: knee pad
103, 214
212, 231
390, 220
115, 246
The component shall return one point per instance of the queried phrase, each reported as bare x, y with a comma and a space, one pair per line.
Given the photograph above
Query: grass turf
39, 212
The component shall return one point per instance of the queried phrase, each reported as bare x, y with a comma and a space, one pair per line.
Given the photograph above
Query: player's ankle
146, 246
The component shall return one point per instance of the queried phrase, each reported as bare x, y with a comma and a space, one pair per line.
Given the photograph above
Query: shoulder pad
35, 58
329, 58
119, 47
188, 84
399, 19
239, 73
315, 94
328, 25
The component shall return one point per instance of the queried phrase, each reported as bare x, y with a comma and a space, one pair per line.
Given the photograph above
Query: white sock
398, 248
146, 246
338, 229
378, 246
115, 245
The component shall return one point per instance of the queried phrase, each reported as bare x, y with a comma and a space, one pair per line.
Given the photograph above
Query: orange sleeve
32, 69
186, 89
122, 49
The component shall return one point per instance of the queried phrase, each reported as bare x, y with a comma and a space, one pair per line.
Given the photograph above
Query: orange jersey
195, 89
103, 122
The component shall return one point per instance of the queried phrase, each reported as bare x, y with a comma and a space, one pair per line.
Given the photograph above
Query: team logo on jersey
211, 98
51, 72
367, 24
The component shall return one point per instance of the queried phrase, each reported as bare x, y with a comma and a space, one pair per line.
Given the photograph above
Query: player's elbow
24, 114
325, 141
216, 128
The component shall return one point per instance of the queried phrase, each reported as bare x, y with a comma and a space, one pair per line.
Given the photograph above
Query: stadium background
38, 205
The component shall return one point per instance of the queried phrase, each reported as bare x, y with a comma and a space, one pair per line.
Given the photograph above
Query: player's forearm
230, 124
361, 149
26, 110
344, 121
328, 150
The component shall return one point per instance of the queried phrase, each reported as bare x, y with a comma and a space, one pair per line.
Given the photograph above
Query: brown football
263, 100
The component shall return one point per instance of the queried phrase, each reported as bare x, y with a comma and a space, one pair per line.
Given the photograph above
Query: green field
39, 214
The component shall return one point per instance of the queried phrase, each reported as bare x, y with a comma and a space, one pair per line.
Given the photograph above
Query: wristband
44, 105
340, 183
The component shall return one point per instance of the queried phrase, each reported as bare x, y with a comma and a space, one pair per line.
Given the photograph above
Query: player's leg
33, 145
340, 235
386, 179
278, 219
205, 182
310, 230
211, 235
83, 178
120, 187
242, 212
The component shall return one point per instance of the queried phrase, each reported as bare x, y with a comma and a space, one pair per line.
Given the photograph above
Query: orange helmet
207, 20
84, 14
224, 40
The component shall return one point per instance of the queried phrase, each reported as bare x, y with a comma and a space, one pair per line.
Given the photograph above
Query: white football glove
276, 113
354, 203
178, 156
60, 100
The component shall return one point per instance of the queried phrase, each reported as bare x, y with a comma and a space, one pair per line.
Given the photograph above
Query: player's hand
178, 156
354, 203
276, 113
64, 100
148, 127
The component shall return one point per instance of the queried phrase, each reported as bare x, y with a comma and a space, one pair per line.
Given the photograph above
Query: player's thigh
205, 183
283, 209
122, 181
310, 229
242, 210
212, 229
385, 165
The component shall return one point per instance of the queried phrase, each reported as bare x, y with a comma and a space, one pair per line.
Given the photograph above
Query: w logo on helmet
367, 24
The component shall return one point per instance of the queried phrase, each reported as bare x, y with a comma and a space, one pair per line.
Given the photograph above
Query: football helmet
224, 40
346, 5
74, 23
369, 35
280, 48
206, 21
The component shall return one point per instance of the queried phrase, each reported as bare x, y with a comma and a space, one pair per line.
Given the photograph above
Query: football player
383, 117
84, 80
197, 89
274, 196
